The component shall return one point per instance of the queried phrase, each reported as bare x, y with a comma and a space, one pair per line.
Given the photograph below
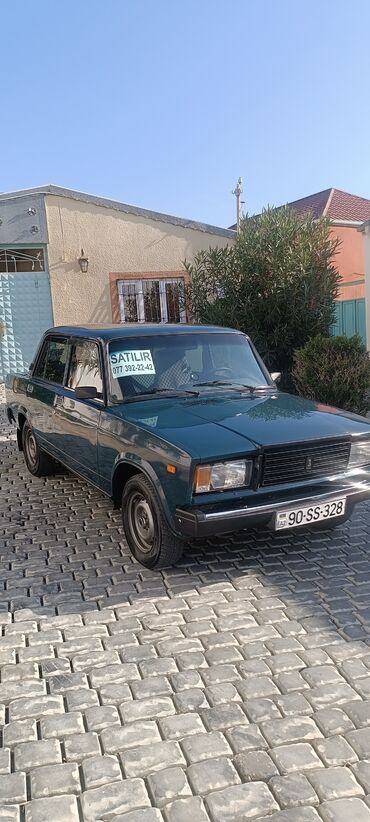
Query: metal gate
350, 318
25, 307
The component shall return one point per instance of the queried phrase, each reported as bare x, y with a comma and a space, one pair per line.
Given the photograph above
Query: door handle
58, 402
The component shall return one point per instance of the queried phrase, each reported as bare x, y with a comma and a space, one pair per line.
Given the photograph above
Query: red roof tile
335, 204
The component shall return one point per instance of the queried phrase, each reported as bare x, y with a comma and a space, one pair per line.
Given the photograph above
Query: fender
151, 475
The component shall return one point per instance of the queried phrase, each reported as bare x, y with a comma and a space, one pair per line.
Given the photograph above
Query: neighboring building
135, 264
365, 230
347, 213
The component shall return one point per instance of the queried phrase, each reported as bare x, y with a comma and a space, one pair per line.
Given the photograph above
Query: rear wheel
38, 462
148, 536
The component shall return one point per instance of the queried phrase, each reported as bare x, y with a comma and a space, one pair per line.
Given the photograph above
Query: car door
77, 420
44, 387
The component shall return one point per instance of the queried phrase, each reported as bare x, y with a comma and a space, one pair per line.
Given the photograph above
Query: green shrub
335, 371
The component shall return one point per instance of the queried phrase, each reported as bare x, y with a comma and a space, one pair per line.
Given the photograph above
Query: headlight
360, 453
222, 475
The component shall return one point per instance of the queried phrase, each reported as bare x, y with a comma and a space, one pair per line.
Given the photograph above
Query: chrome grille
292, 463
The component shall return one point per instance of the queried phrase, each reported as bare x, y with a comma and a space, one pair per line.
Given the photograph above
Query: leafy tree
277, 282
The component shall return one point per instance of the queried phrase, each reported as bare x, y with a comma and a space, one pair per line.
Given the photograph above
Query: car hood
220, 425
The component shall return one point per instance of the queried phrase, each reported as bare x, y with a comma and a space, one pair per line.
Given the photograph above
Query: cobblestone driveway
235, 686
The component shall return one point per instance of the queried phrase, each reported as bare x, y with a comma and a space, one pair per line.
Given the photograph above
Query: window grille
152, 300
13, 260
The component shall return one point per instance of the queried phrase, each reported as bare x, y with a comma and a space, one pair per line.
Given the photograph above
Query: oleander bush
334, 371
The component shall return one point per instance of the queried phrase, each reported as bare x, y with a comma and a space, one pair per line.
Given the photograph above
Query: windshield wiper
233, 385
169, 392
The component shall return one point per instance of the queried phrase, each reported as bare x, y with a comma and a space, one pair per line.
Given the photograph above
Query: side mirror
276, 376
86, 392
30, 367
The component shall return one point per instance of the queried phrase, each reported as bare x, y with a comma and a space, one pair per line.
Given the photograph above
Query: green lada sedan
184, 427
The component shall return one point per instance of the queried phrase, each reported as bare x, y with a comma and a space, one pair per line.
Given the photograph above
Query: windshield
161, 364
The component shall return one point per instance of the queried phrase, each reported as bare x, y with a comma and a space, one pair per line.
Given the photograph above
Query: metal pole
238, 191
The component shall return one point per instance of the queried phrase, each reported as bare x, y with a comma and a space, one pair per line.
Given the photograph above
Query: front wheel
148, 536
38, 462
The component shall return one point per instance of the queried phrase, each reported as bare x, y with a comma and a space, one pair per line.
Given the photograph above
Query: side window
52, 362
85, 367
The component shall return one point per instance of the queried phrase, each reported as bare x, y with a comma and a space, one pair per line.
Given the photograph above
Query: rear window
52, 361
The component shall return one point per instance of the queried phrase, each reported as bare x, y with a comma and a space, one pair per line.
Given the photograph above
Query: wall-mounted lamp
83, 262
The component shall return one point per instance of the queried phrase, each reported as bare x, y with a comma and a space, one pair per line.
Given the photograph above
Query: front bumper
211, 519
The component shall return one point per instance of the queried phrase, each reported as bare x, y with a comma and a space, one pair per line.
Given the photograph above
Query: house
346, 212
70, 257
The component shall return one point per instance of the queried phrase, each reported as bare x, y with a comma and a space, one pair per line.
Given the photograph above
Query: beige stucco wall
367, 282
114, 242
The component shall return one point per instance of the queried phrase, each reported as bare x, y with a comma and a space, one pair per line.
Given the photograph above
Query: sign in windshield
182, 362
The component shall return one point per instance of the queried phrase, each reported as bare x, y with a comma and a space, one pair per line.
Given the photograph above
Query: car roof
112, 332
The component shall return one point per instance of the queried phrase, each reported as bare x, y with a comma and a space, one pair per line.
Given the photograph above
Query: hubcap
31, 448
141, 521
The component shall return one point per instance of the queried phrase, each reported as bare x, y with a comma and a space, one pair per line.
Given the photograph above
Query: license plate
310, 514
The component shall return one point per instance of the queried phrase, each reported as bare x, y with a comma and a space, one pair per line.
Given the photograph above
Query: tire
38, 462
148, 536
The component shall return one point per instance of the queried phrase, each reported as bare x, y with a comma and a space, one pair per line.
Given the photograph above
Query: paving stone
298, 757
34, 754
241, 802
4, 760
101, 717
21, 730
13, 788
329, 695
10, 813
293, 790
154, 707
176, 727
361, 771
58, 727
116, 738
183, 810
261, 710
113, 799
152, 686
36, 707
359, 713
192, 699
290, 729
223, 716
98, 770
115, 693
61, 808
334, 783
360, 742
52, 780
222, 694
81, 699
143, 815
336, 750
334, 720
212, 775
149, 758
245, 738
167, 785
294, 815
342, 810
205, 746
80, 746
255, 766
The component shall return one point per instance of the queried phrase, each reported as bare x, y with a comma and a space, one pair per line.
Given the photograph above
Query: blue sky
164, 103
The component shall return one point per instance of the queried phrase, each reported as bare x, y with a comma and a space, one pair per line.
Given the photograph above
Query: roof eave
136, 211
